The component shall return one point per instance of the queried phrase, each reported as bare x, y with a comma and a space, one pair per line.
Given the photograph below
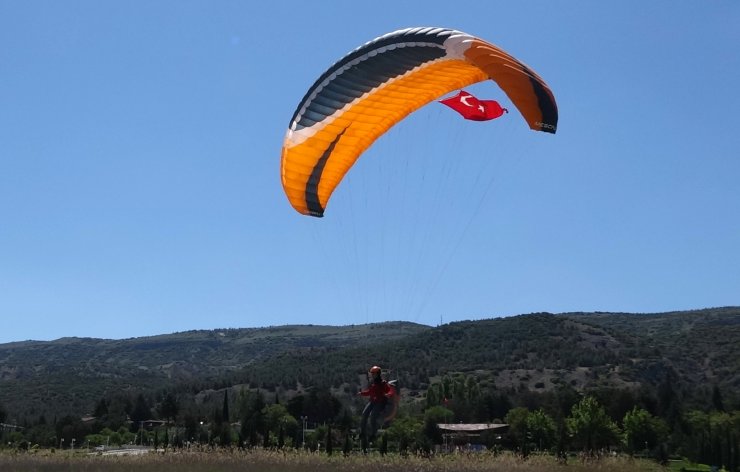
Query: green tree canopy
541, 429
590, 426
642, 430
279, 421
517, 420
169, 408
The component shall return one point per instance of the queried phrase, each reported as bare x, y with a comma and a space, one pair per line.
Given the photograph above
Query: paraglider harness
389, 401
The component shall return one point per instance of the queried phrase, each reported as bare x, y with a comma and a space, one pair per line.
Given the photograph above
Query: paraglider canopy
377, 85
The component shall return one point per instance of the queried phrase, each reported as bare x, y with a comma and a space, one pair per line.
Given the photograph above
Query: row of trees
642, 421
707, 437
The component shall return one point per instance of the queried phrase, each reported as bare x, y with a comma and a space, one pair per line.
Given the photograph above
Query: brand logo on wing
545, 125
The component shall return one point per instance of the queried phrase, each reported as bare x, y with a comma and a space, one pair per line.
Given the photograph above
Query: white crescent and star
464, 101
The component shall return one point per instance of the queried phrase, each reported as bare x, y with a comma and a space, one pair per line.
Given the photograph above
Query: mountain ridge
535, 352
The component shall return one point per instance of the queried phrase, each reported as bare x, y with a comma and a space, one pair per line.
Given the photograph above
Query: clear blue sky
139, 169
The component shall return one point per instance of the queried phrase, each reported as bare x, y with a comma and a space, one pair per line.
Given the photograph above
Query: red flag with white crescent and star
472, 108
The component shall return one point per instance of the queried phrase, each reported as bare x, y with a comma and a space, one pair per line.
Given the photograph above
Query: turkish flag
472, 108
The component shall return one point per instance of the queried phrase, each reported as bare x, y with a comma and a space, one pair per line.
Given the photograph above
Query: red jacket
378, 392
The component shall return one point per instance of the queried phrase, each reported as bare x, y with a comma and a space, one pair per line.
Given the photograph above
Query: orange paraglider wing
380, 83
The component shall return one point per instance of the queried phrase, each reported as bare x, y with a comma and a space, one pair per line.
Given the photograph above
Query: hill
693, 351
68, 375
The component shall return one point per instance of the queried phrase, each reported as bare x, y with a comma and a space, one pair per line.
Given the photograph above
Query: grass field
298, 461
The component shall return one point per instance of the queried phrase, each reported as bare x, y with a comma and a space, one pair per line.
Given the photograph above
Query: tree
225, 409
192, 427
277, 419
250, 406
347, 448
296, 406
717, 402
116, 438
496, 405
281, 437
222, 431
169, 408
118, 409
734, 438
101, 408
541, 429
141, 411
71, 429
517, 420
345, 422
669, 402
461, 394
642, 430
329, 442
405, 431
616, 401
723, 449
432, 417
699, 435
590, 426
321, 405
565, 398
221, 426
384, 444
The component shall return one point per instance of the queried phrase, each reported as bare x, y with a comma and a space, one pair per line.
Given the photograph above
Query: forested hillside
692, 350
69, 375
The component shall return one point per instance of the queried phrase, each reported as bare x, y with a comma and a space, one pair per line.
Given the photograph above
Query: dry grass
296, 461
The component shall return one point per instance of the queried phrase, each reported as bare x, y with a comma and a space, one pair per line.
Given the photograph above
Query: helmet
375, 369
